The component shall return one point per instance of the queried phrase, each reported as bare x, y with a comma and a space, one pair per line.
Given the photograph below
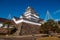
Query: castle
26, 24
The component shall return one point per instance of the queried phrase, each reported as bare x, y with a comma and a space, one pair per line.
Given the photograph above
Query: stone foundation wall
27, 29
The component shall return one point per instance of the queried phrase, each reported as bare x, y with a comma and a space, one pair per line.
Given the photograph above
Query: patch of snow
28, 17
21, 16
36, 16
27, 14
28, 7
1, 24
13, 19
6, 26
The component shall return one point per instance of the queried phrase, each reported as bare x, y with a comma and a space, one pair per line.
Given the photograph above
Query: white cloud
58, 11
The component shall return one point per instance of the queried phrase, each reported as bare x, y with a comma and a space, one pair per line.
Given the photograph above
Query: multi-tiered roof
29, 16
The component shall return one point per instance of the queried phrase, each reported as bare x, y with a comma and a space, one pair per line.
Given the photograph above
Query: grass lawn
48, 38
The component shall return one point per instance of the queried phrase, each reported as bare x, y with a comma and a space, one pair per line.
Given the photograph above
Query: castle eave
26, 21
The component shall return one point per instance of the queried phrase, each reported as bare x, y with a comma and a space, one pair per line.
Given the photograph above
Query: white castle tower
30, 13
29, 16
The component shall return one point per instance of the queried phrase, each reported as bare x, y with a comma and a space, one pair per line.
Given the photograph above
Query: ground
28, 37
48, 38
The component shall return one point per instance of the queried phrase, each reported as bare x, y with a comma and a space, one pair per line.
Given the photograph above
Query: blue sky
18, 7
